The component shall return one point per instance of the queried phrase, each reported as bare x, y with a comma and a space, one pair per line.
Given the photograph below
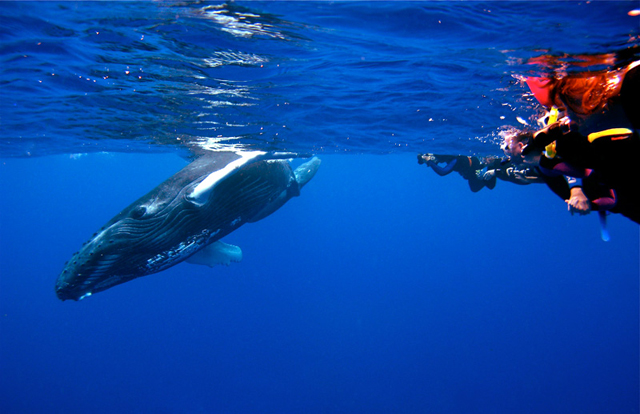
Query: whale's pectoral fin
306, 171
217, 253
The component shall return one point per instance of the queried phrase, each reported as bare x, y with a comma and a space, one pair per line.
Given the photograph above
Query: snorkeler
606, 162
469, 168
597, 141
483, 172
514, 147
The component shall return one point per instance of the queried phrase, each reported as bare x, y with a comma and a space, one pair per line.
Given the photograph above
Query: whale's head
142, 239
98, 265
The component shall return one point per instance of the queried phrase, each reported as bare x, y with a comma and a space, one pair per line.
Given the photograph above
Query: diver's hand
552, 132
578, 202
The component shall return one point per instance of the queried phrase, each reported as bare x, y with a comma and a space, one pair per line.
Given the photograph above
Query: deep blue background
383, 288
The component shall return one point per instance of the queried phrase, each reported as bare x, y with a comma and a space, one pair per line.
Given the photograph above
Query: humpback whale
184, 218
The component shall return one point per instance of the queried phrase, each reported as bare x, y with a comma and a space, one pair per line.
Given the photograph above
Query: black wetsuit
467, 167
630, 96
506, 170
606, 161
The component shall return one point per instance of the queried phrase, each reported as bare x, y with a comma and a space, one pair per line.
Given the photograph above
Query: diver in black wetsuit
483, 172
514, 147
606, 159
469, 168
607, 162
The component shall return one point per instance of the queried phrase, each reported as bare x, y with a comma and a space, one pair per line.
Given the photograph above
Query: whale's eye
138, 212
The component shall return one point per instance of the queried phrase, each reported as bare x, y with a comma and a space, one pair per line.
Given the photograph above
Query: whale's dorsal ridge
200, 193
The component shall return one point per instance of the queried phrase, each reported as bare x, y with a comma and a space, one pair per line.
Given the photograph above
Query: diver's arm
442, 171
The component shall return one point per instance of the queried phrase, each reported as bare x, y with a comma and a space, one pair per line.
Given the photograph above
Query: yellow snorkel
553, 116
550, 150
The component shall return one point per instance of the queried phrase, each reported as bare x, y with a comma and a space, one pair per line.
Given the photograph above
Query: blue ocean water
382, 288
